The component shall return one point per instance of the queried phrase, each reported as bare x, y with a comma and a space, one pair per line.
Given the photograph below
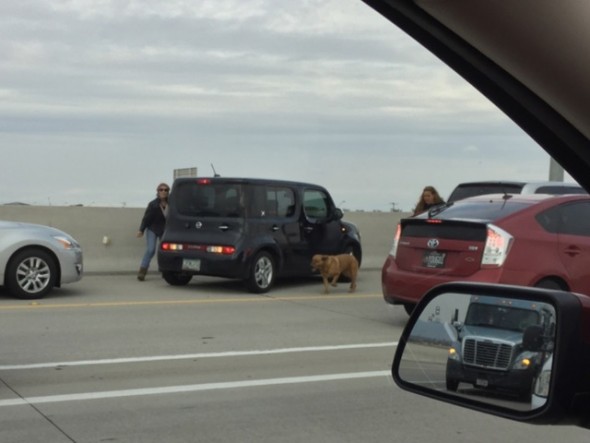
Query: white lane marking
190, 388
192, 356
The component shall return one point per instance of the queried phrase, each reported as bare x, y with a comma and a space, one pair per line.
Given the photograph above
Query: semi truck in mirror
512, 351
490, 353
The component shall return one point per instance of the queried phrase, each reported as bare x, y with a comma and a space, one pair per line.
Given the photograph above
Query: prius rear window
485, 211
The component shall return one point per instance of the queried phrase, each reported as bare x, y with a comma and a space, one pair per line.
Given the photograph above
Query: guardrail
107, 234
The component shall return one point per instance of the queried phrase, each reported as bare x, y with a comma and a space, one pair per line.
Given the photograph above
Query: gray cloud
101, 100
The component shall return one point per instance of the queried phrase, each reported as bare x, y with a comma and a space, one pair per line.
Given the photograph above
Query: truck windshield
501, 317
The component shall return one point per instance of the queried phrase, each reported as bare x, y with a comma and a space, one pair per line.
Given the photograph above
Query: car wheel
31, 274
549, 283
176, 278
351, 249
409, 307
452, 384
262, 273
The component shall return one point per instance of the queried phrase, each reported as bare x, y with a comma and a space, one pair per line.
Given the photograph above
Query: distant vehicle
491, 350
529, 240
250, 229
35, 258
472, 189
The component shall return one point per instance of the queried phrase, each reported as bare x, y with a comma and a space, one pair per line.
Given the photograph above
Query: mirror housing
564, 347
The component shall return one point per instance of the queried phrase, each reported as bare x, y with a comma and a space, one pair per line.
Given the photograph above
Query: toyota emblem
198, 225
432, 243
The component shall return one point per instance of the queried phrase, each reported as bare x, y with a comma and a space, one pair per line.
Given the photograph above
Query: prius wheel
549, 283
409, 307
31, 274
176, 278
262, 273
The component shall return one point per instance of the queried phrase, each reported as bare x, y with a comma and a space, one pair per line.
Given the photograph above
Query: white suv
471, 189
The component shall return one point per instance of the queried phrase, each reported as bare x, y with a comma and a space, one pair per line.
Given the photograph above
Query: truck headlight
524, 361
454, 354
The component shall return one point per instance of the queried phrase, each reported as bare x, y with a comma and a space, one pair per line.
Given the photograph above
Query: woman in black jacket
152, 224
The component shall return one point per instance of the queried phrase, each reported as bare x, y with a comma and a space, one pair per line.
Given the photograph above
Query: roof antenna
215, 174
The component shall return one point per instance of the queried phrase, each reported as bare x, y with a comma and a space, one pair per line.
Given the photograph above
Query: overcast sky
100, 100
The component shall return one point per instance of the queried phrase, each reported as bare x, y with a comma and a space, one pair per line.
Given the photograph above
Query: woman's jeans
151, 241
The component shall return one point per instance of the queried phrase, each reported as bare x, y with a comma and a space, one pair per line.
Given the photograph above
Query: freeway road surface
110, 359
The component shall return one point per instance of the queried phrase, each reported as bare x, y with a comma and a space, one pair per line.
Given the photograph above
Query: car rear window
473, 190
482, 210
208, 200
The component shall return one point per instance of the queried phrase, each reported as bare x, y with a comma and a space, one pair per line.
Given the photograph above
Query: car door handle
275, 228
308, 229
572, 251
223, 227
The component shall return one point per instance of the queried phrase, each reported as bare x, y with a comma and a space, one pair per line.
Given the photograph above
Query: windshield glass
501, 317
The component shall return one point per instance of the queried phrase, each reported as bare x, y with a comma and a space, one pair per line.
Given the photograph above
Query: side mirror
338, 214
511, 351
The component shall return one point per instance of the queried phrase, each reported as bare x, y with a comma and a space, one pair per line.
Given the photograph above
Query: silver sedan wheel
33, 275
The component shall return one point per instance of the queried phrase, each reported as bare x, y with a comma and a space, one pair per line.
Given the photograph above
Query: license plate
191, 265
481, 383
433, 259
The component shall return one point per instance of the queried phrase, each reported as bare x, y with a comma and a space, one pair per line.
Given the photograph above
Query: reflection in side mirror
491, 349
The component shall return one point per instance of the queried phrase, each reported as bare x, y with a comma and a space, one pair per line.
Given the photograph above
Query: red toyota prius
526, 240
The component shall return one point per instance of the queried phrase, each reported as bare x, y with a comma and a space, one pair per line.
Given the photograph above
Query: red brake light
434, 221
224, 250
203, 181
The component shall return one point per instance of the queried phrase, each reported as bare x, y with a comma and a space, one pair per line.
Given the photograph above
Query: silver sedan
35, 258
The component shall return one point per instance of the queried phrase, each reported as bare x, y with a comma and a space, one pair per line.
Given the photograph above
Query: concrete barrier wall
122, 251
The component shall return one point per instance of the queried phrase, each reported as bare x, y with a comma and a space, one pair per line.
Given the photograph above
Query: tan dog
331, 266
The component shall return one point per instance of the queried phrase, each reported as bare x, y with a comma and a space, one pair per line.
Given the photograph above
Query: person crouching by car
152, 224
428, 199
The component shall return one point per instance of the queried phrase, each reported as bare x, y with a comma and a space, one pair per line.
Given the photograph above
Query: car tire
549, 283
353, 250
409, 307
262, 273
350, 250
452, 384
176, 278
31, 274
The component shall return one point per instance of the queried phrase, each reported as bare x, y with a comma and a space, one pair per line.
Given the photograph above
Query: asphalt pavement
113, 359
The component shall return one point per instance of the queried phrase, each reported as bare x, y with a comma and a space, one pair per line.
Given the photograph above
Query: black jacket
153, 218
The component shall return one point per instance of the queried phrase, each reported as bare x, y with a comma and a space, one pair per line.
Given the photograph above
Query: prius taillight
497, 247
398, 234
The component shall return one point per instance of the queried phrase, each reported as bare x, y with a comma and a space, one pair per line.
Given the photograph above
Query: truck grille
486, 354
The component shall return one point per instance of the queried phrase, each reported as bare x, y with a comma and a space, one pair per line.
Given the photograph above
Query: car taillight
224, 250
171, 247
497, 246
398, 233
